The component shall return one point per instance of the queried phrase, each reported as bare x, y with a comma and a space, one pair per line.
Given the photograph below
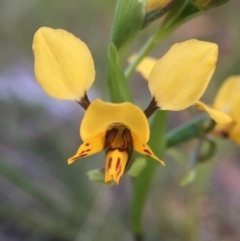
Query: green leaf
142, 183
137, 167
117, 83
128, 19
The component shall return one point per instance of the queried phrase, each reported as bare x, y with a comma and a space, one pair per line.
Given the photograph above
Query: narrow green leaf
117, 83
142, 183
128, 19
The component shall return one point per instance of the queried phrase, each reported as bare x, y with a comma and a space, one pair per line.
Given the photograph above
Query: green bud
207, 4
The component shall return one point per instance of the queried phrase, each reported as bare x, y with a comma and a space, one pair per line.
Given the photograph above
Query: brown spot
87, 150
110, 136
109, 162
83, 155
118, 163
224, 134
147, 151
87, 144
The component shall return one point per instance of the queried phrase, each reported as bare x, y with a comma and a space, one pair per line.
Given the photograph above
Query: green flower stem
196, 128
142, 184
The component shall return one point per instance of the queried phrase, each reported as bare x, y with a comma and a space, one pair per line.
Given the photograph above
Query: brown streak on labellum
147, 151
87, 144
109, 162
118, 163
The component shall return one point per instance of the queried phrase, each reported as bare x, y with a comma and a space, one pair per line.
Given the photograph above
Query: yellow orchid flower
65, 69
228, 101
179, 79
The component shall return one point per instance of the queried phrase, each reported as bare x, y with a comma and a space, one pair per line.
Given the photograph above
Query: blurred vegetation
42, 198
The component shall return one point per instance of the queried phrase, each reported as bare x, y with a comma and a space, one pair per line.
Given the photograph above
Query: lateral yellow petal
143, 148
145, 66
101, 116
89, 147
181, 76
115, 165
63, 64
227, 94
217, 116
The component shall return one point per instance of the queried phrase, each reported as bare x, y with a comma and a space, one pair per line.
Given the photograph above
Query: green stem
145, 50
142, 184
196, 128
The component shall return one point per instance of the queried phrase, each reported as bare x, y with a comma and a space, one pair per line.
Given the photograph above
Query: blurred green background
44, 199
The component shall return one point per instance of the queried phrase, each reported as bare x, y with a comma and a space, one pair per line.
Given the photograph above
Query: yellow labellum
115, 165
63, 64
181, 76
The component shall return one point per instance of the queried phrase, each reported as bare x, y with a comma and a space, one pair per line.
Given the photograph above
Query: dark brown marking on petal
147, 151
87, 144
109, 162
110, 136
87, 150
83, 155
118, 163
224, 134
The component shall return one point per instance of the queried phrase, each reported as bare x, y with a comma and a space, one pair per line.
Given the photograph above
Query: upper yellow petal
63, 64
228, 95
216, 115
181, 76
145, 66
101, 115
